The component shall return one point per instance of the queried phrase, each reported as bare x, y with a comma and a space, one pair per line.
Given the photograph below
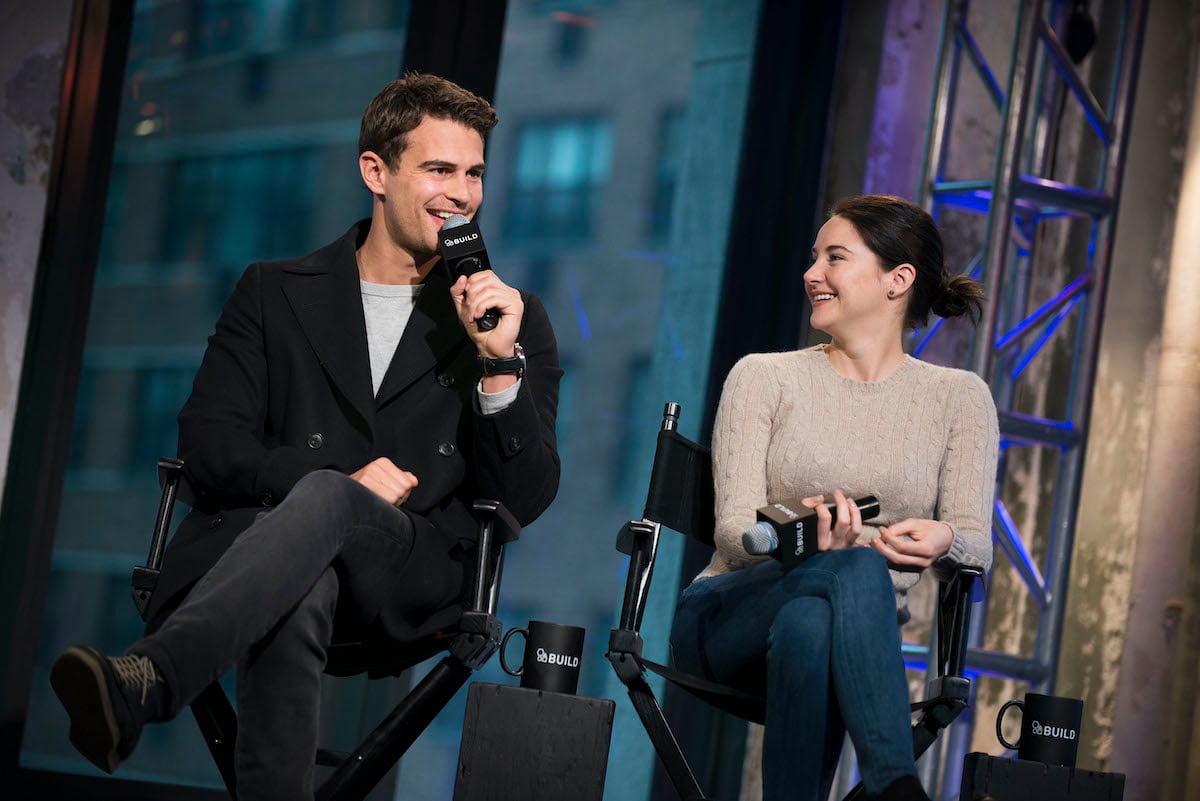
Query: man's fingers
386, 480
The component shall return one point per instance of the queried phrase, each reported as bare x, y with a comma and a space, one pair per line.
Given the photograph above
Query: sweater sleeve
741, 436
967, 479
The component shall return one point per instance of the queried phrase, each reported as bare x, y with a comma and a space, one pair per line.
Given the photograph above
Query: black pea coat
285, 389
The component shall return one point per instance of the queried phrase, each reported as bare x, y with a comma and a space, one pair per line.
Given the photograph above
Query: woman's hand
914, 543
842, 534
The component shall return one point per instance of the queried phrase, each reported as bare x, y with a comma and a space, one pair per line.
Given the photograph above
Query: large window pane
237, 142
582, 174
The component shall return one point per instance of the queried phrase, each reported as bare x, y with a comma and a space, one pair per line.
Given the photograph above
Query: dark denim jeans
268, 606
822, 638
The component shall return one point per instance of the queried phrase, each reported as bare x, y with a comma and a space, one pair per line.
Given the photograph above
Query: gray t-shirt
387, 308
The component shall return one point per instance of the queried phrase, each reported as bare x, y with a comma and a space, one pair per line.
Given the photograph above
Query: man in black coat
347, 411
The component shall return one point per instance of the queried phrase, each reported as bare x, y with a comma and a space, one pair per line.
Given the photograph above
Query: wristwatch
510, 365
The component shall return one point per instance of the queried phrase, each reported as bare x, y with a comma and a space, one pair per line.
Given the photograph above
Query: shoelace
135, 669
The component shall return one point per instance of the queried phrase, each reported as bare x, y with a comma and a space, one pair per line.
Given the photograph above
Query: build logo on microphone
800, 538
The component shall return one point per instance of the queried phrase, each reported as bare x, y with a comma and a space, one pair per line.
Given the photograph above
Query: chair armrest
639, 539
955, 596
145, 577
507, 529
497, 527
170, 480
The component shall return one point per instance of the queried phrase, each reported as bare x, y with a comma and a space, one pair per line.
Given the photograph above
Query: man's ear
372, 168
901, 278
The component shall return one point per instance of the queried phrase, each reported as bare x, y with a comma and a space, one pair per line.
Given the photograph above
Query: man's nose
458, 191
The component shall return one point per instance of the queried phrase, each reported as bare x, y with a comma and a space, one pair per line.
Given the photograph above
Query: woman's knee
862, 567
802, 625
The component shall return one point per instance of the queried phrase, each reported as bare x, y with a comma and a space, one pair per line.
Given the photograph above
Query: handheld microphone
461, 247
789, 537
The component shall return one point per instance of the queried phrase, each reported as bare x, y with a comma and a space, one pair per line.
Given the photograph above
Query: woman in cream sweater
840, 421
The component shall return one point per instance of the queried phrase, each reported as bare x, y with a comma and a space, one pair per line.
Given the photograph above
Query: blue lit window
561, 170
670, 162
227, 206
220, 26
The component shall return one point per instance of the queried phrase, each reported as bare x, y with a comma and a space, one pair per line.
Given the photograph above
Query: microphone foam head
454, 220
759, 540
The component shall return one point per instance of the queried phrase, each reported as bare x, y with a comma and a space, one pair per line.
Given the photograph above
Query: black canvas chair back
680, 498
470, 643
681, 482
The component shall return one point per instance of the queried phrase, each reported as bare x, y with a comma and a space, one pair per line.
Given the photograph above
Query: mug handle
504, 642
999, 720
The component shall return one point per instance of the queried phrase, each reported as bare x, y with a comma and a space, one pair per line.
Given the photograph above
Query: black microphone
789, 537
461, 246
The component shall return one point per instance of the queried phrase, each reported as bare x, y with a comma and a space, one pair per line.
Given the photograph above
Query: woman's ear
900, 279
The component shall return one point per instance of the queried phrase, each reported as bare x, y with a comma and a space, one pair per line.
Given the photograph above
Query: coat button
315, 440
266, 498
446, 448
446, 380
514, 444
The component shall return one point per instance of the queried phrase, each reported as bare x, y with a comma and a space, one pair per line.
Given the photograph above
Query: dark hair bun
958, 296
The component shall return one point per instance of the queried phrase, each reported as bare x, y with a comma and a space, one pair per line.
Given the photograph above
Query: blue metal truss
1018, 198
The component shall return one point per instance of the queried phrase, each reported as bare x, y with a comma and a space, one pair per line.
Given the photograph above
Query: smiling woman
853, 418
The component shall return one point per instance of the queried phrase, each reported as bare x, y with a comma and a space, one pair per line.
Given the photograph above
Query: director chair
681, 498
470, 643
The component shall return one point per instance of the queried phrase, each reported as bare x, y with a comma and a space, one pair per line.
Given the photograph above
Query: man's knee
324, 500
321, 600
326, 487
311, 620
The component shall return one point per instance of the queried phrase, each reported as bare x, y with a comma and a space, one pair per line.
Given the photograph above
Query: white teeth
445, 215
823, 296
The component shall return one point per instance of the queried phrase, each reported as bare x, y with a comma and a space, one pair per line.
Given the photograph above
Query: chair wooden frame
470, 644
681, 462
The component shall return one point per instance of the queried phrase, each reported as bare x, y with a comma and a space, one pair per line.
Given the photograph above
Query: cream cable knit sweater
923, 441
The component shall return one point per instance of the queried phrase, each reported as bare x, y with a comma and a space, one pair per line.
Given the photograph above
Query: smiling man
337, 431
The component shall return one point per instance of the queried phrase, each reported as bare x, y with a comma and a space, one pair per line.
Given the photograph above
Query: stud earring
891, 293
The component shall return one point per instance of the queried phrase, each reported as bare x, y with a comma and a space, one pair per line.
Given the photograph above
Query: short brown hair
405, 102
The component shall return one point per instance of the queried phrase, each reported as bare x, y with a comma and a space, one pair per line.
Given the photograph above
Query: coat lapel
324, 294
433, 332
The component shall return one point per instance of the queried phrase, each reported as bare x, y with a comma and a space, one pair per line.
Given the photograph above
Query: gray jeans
268, 606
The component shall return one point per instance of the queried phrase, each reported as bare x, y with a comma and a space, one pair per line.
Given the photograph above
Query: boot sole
78, 680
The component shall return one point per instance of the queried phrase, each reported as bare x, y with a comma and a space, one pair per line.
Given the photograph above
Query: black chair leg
663, 739
858, 793
387, 743
218, 723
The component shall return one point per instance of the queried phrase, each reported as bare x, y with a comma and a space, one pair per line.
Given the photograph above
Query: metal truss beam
1021, 194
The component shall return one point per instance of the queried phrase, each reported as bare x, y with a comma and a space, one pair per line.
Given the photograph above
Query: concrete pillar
1125, 457
33, 38
1155, 697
